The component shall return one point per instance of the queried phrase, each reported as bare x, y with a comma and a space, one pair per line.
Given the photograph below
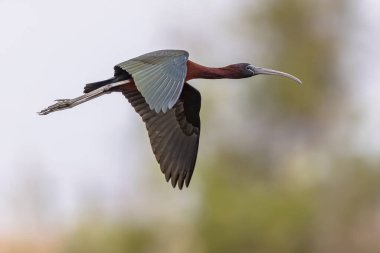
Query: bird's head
248, 70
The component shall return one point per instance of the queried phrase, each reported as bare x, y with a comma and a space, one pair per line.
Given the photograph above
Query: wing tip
179, 183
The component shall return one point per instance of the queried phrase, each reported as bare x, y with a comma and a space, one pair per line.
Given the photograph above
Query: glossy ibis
156, 86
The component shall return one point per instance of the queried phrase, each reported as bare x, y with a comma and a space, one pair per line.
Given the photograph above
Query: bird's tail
93, 86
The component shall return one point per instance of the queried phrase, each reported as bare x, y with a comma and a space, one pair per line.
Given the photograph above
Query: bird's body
156, 86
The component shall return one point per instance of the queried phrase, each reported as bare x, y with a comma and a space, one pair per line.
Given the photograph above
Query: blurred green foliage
310, 199
298, 40
265, 215
116, 238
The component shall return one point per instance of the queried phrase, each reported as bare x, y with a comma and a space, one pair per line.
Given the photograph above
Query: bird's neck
196, 71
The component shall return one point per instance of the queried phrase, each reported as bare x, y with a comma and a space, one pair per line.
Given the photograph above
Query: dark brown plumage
174, 135
156, 86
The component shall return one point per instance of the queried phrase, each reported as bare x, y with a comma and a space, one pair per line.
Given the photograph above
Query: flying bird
156, 85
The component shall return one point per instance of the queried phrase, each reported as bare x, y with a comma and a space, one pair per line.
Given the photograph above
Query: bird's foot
66, 100
63, 104
60, 105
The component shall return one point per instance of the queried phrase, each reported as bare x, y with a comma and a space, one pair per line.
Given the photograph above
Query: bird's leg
63, 104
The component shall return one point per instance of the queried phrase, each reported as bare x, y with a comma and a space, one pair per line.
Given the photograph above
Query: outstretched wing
174, 135
159, 76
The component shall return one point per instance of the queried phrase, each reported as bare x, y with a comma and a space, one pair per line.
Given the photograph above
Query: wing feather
147, 70
174, 135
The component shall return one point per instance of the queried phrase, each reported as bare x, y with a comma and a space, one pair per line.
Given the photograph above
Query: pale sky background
50, 49
366, 75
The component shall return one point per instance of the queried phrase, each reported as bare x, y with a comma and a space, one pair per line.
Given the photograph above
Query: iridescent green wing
159, 76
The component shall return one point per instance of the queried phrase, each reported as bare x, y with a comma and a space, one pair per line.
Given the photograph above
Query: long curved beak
265, 71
